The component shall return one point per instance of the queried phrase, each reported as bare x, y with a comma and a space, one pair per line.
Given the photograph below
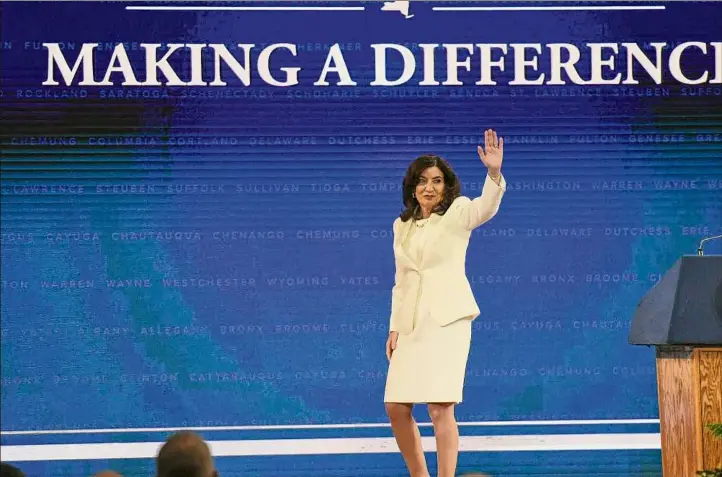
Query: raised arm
473, 213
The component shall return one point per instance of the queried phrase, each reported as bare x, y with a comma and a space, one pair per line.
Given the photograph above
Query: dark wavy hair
452, 187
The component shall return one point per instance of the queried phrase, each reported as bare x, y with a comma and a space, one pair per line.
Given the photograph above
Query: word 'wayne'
600, 62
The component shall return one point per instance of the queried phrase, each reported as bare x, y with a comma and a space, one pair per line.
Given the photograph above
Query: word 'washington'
601, 61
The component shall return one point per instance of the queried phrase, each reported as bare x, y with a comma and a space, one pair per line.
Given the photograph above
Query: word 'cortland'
563, 61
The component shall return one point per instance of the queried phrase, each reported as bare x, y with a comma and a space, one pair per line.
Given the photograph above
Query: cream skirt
429, 364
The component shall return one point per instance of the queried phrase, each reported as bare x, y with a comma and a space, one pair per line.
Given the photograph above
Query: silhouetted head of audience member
7, 470
107, 473
185, 454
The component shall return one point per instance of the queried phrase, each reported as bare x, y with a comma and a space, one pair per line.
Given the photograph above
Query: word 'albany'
560, 60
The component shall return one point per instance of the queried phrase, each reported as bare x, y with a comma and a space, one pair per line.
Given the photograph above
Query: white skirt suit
432, 305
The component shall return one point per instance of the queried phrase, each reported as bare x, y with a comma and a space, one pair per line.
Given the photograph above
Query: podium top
684, 307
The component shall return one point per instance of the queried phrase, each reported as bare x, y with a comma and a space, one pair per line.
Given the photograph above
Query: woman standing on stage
432, 304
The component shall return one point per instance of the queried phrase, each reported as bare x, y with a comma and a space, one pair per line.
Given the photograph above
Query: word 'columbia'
600, 61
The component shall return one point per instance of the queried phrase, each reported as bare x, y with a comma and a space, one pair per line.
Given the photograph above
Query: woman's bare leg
446, 432
408, 438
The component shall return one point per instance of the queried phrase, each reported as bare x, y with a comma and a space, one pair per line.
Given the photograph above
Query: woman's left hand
494, 154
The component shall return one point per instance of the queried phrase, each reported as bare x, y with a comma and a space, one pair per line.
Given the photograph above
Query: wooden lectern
682, 317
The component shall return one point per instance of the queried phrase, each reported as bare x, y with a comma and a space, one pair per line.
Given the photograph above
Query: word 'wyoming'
525, 64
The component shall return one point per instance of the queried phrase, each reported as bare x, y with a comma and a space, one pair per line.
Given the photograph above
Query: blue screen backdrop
220, 257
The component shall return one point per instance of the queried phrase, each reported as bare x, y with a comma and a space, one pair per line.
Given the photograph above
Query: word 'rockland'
562, 61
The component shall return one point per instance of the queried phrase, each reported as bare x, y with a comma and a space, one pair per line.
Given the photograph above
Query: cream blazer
441, 276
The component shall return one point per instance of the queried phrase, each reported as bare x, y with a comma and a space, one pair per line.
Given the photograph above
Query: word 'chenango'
530, 64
